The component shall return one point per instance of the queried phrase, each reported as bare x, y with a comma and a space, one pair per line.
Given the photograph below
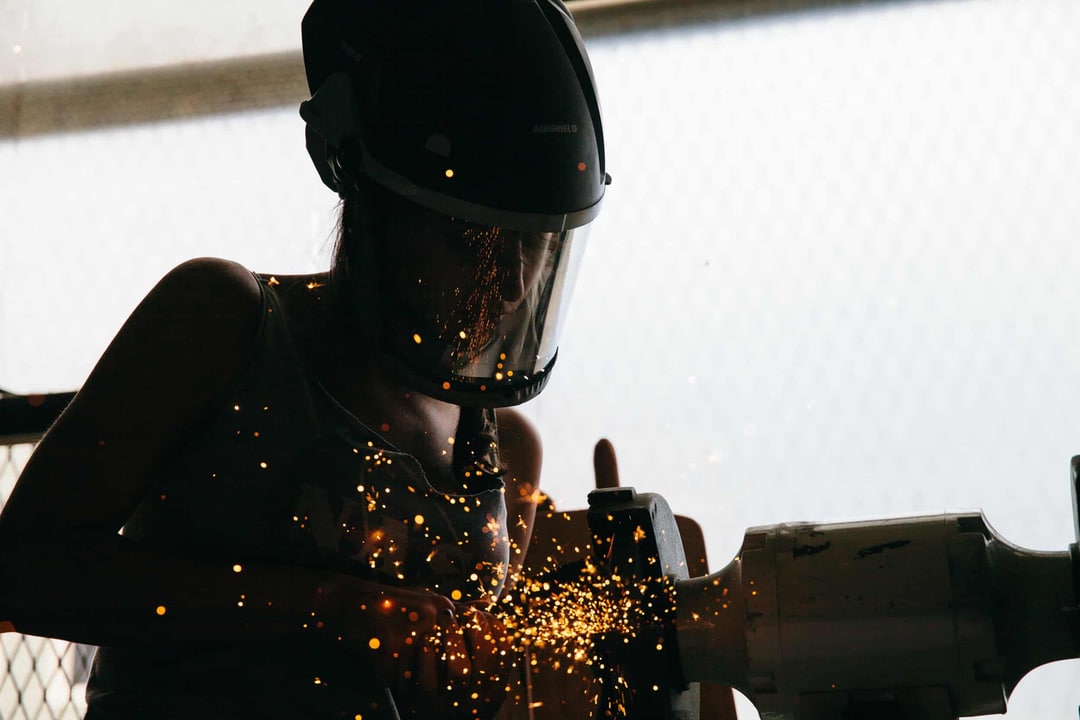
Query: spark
573, 621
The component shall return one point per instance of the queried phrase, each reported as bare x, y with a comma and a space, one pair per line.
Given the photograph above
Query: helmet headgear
485, 112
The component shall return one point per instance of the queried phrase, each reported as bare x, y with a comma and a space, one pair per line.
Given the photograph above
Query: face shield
483, 112
472, 313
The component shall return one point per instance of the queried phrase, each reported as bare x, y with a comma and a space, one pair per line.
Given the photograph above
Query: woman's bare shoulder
210, 281
193, 330
168, 367
201, 317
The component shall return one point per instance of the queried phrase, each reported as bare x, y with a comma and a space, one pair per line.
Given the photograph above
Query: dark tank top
284, 474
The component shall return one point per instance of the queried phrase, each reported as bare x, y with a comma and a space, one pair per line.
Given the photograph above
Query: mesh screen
40, 678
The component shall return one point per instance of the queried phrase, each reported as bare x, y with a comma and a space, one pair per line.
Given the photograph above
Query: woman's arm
522, 454
64, 570
162, 375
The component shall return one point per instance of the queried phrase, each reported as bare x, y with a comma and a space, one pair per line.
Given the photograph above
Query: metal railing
40, 678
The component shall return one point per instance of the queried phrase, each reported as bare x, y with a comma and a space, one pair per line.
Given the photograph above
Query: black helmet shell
480, 109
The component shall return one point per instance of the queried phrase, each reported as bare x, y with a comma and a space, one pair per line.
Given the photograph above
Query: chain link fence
40, 678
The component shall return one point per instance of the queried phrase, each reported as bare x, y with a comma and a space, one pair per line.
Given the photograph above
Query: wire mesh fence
40, 678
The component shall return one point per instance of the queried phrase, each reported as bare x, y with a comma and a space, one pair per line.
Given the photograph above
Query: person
299, 496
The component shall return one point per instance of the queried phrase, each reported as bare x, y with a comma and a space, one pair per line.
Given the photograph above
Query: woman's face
461, 280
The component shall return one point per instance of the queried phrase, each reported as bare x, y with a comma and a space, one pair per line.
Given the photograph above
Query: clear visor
480, 309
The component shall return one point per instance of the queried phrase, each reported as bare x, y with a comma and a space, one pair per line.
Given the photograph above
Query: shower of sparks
575, 621
565, 616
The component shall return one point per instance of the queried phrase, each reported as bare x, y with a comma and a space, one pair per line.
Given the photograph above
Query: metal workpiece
636, 540
629, 527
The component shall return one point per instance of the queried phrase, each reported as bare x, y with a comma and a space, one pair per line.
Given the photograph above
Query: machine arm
933, 618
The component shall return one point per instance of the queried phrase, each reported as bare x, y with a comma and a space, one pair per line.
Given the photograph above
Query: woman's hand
435, 656
482, 683
605, 467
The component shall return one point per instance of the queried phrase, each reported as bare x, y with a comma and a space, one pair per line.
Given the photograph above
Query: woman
319, 502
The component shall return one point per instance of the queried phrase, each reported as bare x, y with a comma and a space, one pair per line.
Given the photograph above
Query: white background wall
48, 39
834, 277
